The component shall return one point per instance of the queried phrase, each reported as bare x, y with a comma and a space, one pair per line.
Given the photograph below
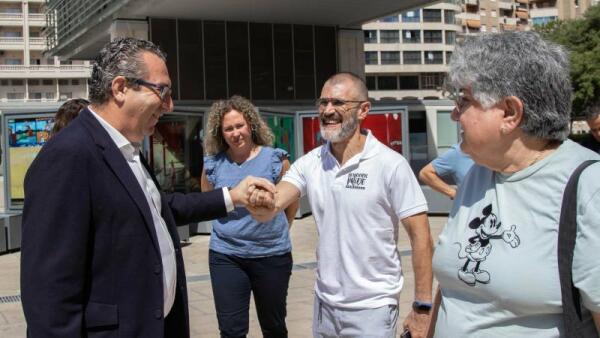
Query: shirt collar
370, 149
127, 148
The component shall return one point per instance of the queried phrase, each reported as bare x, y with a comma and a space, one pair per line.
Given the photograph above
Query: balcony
45, 71
468, 16
37, 19
522, 15
505, 4
12, 43
11, 19
509, 21
544, 12
37, 43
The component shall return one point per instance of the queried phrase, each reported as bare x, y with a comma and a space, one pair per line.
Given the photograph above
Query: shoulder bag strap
567, 232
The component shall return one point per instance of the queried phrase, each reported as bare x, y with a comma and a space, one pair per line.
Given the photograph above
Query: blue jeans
233, 278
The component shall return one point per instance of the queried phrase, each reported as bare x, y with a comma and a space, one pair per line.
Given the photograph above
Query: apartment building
544, 11
494, 15
26, 73
406, 54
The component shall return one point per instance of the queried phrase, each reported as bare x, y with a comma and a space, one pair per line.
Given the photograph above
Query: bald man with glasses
359, 191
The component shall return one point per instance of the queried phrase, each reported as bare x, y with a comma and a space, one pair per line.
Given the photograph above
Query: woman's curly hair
214, 142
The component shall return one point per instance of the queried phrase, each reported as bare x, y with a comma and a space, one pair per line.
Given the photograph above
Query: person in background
67, 112
496, 258
453, 163
592, 140
246, 256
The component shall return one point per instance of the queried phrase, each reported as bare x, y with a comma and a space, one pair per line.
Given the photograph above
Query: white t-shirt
496, 259
357, 208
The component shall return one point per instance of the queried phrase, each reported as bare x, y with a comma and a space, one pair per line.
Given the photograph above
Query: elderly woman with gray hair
496, 260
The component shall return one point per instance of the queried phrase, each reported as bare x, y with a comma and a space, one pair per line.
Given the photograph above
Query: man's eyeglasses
164, 91
324, 101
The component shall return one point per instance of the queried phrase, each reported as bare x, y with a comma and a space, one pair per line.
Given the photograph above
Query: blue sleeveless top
239, 234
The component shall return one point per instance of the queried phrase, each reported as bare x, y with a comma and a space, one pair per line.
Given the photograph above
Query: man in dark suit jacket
100, 252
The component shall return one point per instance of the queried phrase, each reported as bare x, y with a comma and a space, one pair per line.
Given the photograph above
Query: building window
33, 82
371, 82
432, 80
448, 57
4, 82
65, 96
371, 58
390, 58
18, 82
410, 82
370, 36
75, 82
63, 82
543, 20
432, 36
48, 82
12, 34
494, 14
34, 34
411, 16
15, 96
387, 83
449, 17
434, 57
412, 57
450, 37
482, 12
35, 96
49, 96
389, 36
12, 62
432, 15
411, 36
390, 18
483, 28
66, 62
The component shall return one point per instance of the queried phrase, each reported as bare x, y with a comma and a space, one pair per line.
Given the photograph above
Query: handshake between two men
258, 195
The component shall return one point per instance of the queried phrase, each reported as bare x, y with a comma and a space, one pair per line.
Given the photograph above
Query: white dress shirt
131, 152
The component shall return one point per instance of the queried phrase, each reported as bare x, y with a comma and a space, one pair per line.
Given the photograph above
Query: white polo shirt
357, 208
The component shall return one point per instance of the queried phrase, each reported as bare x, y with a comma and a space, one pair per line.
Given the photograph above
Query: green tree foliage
582, 38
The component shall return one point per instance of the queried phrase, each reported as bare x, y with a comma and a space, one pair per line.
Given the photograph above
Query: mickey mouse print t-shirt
496, 258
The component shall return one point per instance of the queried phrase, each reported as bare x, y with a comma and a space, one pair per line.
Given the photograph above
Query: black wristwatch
421, 306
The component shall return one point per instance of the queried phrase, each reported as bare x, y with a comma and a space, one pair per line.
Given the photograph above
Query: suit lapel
117, 163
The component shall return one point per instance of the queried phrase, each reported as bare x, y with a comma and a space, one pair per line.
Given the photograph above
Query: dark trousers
233, 278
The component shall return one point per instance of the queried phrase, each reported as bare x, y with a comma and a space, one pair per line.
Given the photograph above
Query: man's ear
118, 88
513, 112
363, 110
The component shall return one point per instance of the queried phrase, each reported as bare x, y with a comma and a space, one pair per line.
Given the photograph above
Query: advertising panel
26, 136
176, 154
283, 129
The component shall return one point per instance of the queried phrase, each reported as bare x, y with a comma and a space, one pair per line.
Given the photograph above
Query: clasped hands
257, 195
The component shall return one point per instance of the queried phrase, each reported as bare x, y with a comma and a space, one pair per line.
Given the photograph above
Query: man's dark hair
119, 57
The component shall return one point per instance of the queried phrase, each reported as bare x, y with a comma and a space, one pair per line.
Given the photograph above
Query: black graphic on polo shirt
356, 181
479, 247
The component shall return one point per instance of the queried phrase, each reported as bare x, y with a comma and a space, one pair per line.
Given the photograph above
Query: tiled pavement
202, 312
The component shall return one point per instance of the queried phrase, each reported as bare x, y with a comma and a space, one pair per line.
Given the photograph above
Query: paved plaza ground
202, 311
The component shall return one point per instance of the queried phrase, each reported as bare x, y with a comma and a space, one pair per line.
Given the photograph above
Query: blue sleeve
445, 165
277, 158
210, 164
